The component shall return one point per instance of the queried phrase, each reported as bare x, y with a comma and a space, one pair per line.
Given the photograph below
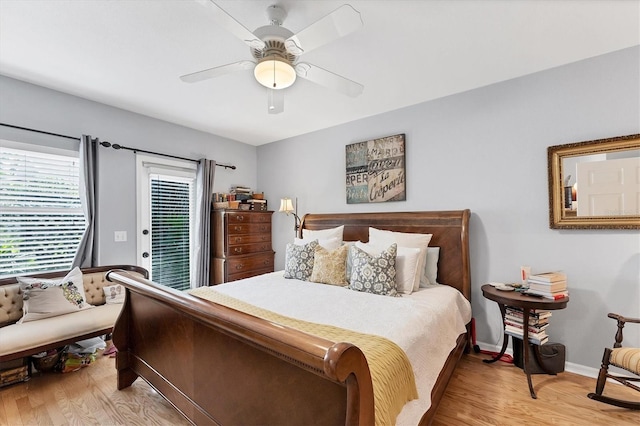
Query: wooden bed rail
156, 318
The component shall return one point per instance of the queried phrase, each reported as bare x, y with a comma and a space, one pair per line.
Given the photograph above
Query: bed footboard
220, 366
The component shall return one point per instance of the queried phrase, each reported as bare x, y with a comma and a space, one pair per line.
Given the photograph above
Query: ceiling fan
276, 51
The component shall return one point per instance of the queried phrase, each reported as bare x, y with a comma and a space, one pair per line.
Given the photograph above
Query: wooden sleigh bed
217, 365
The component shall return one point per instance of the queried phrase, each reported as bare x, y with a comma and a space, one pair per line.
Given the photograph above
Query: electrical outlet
120, 236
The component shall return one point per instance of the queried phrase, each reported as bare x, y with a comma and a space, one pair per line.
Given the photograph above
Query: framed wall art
375, 170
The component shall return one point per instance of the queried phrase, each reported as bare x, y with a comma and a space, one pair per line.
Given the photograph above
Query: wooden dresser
241, 244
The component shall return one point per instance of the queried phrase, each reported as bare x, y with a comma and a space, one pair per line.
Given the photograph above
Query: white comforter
425, 324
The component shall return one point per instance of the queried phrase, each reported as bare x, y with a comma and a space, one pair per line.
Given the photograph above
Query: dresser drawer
249, 264
249, 228
241, 249
237, 239
243, 217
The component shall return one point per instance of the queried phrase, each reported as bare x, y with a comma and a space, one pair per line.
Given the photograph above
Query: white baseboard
571, 367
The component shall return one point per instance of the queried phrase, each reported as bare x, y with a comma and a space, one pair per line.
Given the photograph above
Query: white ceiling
129, 54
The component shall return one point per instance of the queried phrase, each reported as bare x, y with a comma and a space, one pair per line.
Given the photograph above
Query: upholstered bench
20, 340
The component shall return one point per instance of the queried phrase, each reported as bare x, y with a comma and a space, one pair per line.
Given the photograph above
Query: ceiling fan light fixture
275, 73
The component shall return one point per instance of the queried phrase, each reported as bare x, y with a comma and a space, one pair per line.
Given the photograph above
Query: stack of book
550, 285
538, 323
241, 193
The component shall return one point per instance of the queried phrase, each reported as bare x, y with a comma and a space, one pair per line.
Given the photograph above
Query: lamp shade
286, 205
275, 73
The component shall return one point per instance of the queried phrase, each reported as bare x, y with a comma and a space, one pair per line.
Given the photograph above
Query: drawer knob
240, 218
240, 266
238, 239
266, 262
238, 228
238, 250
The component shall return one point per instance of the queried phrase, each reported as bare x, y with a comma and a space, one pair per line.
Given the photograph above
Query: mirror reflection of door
608, 188
605, 184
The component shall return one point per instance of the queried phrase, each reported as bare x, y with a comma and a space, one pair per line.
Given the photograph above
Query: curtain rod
114, 146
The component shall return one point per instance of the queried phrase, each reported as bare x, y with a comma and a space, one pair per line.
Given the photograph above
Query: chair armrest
621, 322
624, 319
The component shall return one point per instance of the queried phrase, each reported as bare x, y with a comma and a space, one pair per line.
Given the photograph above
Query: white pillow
114, 294
329, 244
431, 267
323, 234
407, 273
44, 298
379, 237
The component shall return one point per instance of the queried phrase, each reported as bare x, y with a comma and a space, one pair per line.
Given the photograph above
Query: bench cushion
20, 337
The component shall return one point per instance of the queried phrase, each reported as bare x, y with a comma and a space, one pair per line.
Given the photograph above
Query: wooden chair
625, 358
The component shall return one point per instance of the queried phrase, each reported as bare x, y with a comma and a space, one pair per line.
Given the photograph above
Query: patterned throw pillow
374, 274
329, 266
298, 261
44, 298
114, 294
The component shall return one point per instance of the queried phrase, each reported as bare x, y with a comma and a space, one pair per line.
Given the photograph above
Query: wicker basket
221, 205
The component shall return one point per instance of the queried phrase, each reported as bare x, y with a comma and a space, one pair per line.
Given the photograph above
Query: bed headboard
450, 231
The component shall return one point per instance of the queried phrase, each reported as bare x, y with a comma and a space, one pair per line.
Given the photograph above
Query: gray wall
27, 105
486, 150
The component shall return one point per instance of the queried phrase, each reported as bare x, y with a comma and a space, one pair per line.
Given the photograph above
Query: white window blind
171, 217
41, 217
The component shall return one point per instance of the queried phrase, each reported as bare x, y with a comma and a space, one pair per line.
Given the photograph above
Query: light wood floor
478, 394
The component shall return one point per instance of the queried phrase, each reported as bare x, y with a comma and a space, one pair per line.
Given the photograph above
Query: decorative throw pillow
374, 274
328, 243
323, 234
407, 272
329, 267
379, 237
44, 298
431, 268
298, 261
114, 294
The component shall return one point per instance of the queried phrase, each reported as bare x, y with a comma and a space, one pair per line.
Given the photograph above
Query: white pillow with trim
431, 266
329, 244
323, 234
380, 238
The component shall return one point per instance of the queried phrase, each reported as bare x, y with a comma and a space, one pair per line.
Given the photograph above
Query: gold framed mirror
595, 184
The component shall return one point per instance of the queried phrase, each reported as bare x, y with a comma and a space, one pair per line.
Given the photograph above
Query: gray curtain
86, 256
202, 248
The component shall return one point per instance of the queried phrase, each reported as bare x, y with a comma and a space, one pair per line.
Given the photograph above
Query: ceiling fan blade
342, 21
217, 71
328, 79
229, 23
276, 101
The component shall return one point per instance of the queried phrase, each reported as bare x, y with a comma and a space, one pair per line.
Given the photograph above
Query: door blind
171, 201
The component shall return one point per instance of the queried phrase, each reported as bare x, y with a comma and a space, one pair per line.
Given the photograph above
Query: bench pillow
45, 298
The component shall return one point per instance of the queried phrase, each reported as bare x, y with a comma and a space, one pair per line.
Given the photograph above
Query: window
166, 224
41, 217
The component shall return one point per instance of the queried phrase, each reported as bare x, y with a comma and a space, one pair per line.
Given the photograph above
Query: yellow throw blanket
391, 372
